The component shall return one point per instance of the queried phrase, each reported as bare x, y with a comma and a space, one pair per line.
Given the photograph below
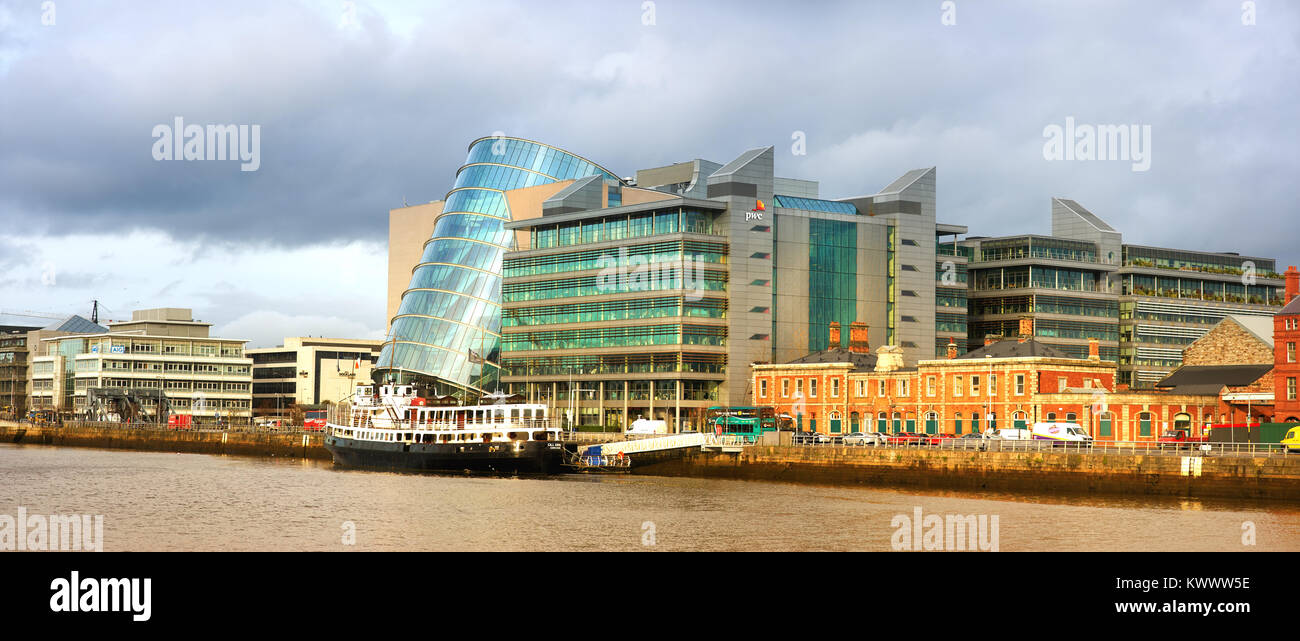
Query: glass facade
448, 324
815, 204
832, 278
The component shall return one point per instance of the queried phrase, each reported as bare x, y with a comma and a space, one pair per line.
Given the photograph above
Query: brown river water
157, 501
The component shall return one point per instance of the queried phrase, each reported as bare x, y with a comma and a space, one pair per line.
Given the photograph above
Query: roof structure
1085, 214
76, 325
861, 361
1209, 380
905, 181
1013, 348
1260, 326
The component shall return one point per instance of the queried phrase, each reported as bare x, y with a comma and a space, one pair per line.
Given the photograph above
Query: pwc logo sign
756, 213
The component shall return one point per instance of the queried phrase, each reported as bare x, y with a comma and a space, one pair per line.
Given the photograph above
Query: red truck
180, 422
1179, 438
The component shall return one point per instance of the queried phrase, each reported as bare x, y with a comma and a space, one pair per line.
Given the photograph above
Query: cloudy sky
365, 105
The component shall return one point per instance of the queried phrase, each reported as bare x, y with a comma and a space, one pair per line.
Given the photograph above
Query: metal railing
1039, 445
163, 427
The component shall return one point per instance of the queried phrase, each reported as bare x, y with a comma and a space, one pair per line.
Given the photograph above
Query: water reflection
154, 501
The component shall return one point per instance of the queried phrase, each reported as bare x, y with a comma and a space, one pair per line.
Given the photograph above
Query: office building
162, 361
1144, 304
309, 371
614, 310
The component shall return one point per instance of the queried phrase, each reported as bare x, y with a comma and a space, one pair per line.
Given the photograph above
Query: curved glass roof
448, 326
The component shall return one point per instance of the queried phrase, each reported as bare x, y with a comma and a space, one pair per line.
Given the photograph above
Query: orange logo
760, 207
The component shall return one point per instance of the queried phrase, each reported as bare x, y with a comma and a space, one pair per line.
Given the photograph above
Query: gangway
724, 443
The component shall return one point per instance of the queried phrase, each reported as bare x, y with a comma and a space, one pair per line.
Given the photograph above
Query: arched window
1071, 417
898, 422
975, 422
956, 423
1183, 421
993, 421
1018, 420
882, 422
931, 423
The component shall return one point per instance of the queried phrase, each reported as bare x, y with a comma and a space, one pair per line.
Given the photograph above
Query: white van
1012, 435
1064, 433
647, 426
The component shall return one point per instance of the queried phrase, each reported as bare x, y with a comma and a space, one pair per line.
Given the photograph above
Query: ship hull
530, 457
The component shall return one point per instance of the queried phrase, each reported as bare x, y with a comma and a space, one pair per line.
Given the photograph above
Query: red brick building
1006, 383
1286, 336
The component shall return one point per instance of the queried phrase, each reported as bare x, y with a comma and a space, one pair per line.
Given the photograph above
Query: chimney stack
835, 335
990, 339
1026, 328
952, 349
858, 342
1292, 284
1094, 349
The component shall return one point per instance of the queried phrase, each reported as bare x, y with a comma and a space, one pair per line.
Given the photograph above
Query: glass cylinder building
447, 330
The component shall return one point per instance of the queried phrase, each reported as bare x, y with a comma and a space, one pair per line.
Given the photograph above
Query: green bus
750, 422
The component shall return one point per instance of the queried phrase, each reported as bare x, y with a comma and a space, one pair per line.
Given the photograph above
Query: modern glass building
655, 305
447, 330
507, 290
1144, 304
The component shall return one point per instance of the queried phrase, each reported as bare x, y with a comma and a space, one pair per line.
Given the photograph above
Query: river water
159, 501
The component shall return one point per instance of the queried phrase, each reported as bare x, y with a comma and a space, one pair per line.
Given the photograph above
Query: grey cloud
353, 122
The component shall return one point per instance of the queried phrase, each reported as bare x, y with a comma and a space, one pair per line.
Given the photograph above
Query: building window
993, 384
762, 389
785, 387
902, 387
812, 387
929, 386
835, 387
1290, 388
1290, 352
974, 385
880, 389
798, 386
957, 384
1020, 384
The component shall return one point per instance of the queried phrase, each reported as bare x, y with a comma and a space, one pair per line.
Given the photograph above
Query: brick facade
960, 396
1286, 342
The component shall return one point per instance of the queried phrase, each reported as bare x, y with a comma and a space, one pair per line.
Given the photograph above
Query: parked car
906, 438
1179, 438
811, 438
939, 439
973, 442
864, 438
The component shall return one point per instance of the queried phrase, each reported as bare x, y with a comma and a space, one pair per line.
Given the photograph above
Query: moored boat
398, 427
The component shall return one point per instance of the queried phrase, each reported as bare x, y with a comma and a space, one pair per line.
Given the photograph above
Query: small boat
399, 427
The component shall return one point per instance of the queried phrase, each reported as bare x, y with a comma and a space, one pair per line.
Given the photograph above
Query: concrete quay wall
1027, 471
271, 444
